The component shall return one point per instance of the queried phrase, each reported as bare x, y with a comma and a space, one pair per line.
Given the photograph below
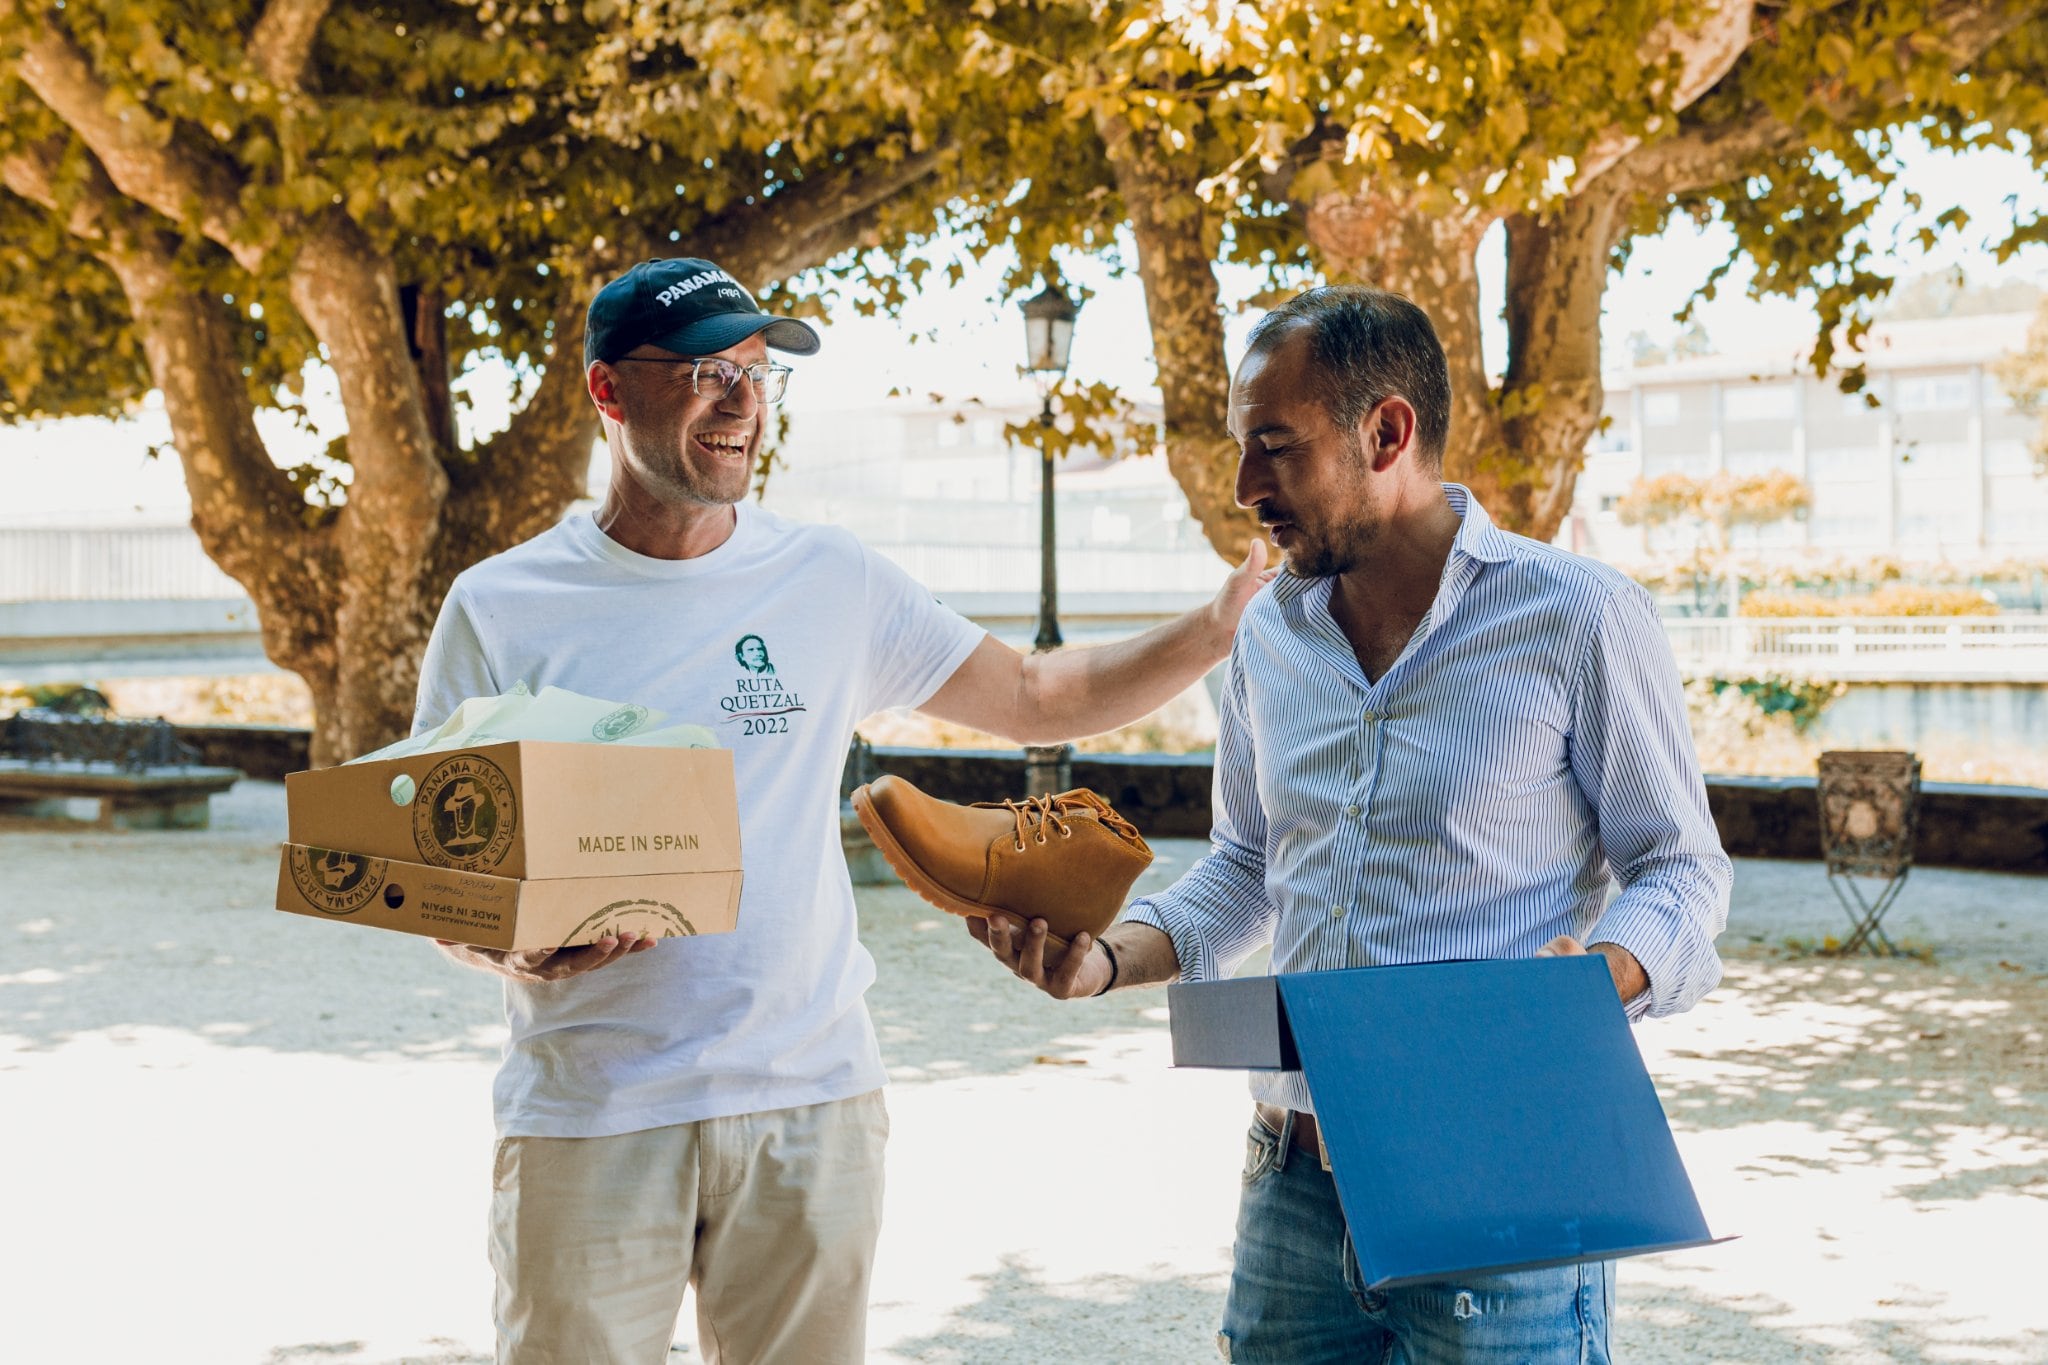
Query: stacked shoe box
518, 844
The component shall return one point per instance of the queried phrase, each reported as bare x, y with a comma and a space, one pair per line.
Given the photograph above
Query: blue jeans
1296, 1296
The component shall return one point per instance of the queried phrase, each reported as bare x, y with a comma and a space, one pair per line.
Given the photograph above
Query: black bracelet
1110, 984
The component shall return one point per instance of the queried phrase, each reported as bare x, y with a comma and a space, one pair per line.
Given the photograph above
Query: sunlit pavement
237, 1136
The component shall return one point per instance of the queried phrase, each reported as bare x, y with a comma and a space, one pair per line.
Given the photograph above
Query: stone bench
171, 797
138, 772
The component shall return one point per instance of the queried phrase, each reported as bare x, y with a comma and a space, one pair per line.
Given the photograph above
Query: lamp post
1048, 338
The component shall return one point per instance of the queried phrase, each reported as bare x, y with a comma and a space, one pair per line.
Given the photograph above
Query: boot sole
920, 881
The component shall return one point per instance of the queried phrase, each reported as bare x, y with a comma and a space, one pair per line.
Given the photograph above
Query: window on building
1761, 461
2008, 457
1661, 407
1846, 462
1611, 441
987, 431
1774, 402
1697, 463
1774, 536
1996, 399
949, 433
1932, 392
1934, 459
1865, 402
1922, 528
2016, 526
1847, 530
1610, 503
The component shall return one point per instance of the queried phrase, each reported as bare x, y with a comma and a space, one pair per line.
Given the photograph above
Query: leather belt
1305, 1136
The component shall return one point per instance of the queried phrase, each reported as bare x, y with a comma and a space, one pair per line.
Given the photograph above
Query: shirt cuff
1680, 967
1196, 963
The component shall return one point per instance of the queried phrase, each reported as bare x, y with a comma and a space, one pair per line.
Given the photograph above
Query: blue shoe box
1480, 1117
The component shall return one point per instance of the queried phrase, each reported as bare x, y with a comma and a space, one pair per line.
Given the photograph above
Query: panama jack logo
759, 704
618, 724
335, 882
633, 916
465, 815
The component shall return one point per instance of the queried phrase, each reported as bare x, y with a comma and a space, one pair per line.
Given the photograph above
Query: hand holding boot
1062, 973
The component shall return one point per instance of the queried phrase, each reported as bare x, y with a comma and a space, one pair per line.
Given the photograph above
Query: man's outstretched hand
1063, 974
1241, 587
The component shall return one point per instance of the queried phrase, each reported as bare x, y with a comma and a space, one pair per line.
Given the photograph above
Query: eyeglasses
769, 380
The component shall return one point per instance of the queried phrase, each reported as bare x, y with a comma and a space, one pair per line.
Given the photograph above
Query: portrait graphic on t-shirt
752, 652
758, 703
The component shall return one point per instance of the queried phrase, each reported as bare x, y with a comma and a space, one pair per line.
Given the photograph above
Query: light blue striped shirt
1471, 802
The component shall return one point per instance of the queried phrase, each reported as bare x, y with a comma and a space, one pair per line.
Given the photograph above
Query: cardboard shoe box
502, 912
529, 808
519, 844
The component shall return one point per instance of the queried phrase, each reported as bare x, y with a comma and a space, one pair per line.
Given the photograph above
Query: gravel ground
238, 1136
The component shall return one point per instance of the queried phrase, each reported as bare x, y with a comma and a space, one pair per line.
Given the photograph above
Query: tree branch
808, 223
1706, 51
1706, 153
283, 40
248, 516
139, 150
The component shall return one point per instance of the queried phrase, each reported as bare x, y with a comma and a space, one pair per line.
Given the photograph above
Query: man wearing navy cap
708, 1111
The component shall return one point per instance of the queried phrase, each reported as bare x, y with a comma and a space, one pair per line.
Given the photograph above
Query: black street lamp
1048, 338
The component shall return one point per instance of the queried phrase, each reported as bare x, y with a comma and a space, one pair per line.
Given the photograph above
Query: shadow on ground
945, 1009
1149, 1319
1873, 1054
355, 1353
111, 934
1680, 1326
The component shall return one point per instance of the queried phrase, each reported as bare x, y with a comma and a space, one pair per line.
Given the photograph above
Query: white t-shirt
780, 640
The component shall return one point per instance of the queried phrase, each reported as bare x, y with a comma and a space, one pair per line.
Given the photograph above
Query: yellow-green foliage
1894, 599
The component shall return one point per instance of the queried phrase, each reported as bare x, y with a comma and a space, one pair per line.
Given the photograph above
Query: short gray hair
1369, 345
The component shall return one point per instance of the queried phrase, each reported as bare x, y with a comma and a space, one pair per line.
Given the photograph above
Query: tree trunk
1175, 251
426, 332
1557, 274
1426, 249
348, 295
1522, 468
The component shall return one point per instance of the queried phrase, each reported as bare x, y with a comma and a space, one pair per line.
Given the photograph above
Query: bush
1893, 599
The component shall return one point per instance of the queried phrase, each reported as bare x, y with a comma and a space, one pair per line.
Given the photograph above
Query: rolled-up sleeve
1632, 755
1221, 911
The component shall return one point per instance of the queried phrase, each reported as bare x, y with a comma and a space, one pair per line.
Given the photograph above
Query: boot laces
1034, 814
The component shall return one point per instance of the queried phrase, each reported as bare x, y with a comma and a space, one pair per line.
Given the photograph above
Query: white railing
165, 563
959, 569
1903, 647
141, 563
108, 564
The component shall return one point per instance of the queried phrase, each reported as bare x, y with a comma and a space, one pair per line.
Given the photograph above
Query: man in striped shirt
1438, 740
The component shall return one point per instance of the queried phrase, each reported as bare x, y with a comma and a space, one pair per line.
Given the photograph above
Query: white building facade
1939, 469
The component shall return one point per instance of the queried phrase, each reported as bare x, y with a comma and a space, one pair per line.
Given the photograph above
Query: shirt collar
1478, 538
1477, 535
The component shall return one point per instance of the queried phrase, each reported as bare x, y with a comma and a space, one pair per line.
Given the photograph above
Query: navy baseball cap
684, 305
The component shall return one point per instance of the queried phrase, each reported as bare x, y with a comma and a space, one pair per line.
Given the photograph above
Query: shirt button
1351, 811
1337, 911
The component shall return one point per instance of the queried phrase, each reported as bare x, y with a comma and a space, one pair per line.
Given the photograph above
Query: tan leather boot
1067, 859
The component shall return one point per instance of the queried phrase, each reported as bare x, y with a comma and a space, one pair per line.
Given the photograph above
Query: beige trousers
772, 1216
